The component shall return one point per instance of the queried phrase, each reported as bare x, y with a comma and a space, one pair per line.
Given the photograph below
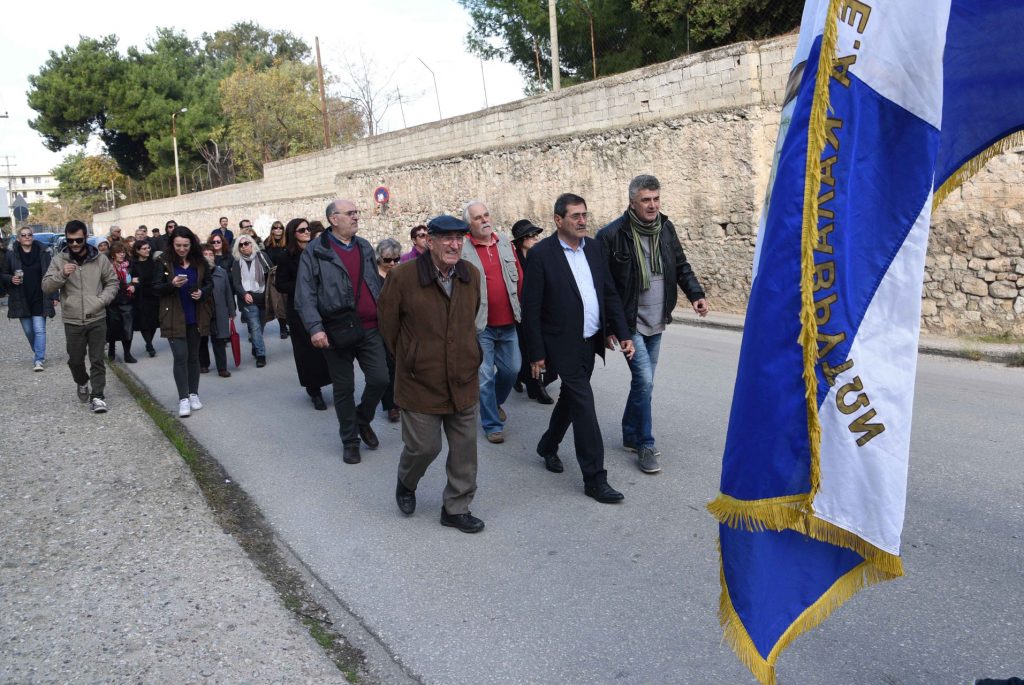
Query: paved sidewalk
962, 348
113, 567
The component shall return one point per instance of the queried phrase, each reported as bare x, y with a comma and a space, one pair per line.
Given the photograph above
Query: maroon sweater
352, 258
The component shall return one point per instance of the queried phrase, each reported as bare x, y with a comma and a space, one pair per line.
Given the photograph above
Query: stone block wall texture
704, 124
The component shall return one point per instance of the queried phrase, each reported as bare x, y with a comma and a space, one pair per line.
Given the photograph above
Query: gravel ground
113, 568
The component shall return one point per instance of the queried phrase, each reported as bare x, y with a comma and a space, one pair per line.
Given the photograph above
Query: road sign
19, 209
382, 195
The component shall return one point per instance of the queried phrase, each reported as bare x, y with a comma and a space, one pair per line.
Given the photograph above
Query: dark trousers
373, 363
186, 362
387, 401
220, 353
89, 338
575, 406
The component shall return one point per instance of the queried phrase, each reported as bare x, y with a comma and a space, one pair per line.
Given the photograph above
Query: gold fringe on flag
974, 165
858, 578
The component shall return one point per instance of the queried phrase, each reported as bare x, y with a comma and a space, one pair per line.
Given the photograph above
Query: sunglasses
245, 244
24, 235
421, 235
75, 241
390, 260
302, 229
216, 242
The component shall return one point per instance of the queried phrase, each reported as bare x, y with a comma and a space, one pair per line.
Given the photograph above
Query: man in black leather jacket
647, 263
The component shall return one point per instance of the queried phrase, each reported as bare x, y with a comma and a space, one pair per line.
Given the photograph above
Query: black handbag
344, 330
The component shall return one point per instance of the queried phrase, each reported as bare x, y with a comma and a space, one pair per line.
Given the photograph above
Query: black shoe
150, 350
110, 352
518, 386
204, 369
551, 461
261, 362
351, 454
603, 493
368, 436
406, 499
129, 359
284, 335
318, 402
543, 397
467, 523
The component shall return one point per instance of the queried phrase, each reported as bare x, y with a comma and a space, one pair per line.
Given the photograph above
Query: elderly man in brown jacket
427, 316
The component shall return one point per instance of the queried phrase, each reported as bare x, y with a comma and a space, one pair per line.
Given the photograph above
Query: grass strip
239, 516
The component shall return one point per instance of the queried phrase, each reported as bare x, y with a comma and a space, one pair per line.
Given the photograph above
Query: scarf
253, 278
650, 230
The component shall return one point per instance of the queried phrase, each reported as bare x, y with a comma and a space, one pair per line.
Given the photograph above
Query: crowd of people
442, 333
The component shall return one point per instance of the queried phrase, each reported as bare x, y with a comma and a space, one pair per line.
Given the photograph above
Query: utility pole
436, 95
400, 107
484, 80
556, 69
10, 180
323, 95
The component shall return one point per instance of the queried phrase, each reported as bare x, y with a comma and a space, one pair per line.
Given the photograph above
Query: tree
85, 181
251, 44
371, 94
612, 36
275, 113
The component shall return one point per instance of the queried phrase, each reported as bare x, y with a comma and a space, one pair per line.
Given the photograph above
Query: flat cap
446, 223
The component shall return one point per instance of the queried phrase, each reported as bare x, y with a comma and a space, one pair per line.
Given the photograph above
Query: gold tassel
974, 165
777, 513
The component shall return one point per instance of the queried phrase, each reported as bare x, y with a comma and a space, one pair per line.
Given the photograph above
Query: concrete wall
705, 124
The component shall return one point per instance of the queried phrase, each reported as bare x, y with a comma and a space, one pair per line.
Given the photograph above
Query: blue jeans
35, 331
498, 372
636, 419
252, 315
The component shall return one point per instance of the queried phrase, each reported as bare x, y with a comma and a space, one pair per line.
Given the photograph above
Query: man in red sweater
501, 280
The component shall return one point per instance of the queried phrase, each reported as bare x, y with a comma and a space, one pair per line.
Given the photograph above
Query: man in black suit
569, 303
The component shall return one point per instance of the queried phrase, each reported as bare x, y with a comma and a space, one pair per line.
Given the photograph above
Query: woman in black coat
146, 273
275, 247
21, 273
309, 361
524, 236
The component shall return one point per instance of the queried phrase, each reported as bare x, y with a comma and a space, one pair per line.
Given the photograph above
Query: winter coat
172, 315
432, 337
323, 286
259, 299
85, 294
223, 305
622, 262
17, 308
145, 276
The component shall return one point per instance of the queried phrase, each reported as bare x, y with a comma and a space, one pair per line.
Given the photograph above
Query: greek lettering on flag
890, 107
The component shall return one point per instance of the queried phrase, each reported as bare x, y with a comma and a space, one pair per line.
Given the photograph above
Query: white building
32, 187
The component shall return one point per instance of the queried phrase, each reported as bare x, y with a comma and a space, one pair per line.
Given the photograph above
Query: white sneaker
184, 408
38, 366
193, 401
98, 406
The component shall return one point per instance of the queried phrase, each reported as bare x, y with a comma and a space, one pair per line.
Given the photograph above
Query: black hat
524, 228
446, 224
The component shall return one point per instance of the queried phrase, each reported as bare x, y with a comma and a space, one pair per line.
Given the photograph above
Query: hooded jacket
85, 294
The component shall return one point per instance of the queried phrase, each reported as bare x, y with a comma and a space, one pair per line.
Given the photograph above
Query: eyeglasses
421, 235
302, 229
249, 226
245, 244
390, 260
24, 235
277, 228
75, 241
350, 214
450, 238
216, 242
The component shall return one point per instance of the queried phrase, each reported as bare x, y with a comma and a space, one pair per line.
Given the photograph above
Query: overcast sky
394, 33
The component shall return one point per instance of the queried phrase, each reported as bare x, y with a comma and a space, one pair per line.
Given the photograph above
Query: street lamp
174, 137
436, 95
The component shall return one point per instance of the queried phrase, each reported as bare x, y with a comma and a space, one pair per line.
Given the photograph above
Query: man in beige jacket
87, 284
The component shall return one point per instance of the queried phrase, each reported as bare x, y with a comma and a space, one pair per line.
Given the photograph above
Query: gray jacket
85, 294
323, 286
223, 305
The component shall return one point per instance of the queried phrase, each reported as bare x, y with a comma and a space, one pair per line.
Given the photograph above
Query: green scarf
652, 231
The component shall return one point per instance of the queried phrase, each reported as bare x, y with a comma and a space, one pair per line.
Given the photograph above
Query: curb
956, 348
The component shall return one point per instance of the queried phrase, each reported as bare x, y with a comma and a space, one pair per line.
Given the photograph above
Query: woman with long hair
249, 276
389, 253
276, 249
221, 251
185, 305
309, 361
145, 275
119, 311
21, 273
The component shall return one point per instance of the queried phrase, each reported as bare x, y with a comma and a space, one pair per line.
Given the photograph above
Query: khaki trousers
421, 434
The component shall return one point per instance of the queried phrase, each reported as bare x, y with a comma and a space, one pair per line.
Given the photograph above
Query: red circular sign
381, 195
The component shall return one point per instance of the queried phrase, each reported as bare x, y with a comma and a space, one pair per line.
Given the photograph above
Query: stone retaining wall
705, 124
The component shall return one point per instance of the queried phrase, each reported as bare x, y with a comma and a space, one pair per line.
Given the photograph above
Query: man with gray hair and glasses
336, 294
647, 263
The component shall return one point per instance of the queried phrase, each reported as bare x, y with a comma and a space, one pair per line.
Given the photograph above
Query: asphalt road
560, 589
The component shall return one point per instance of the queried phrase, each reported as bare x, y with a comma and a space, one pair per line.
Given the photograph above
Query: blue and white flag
891, 106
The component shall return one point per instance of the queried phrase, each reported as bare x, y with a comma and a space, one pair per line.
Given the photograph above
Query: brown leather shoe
496, 438
224, 373
394, 414
369, 437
